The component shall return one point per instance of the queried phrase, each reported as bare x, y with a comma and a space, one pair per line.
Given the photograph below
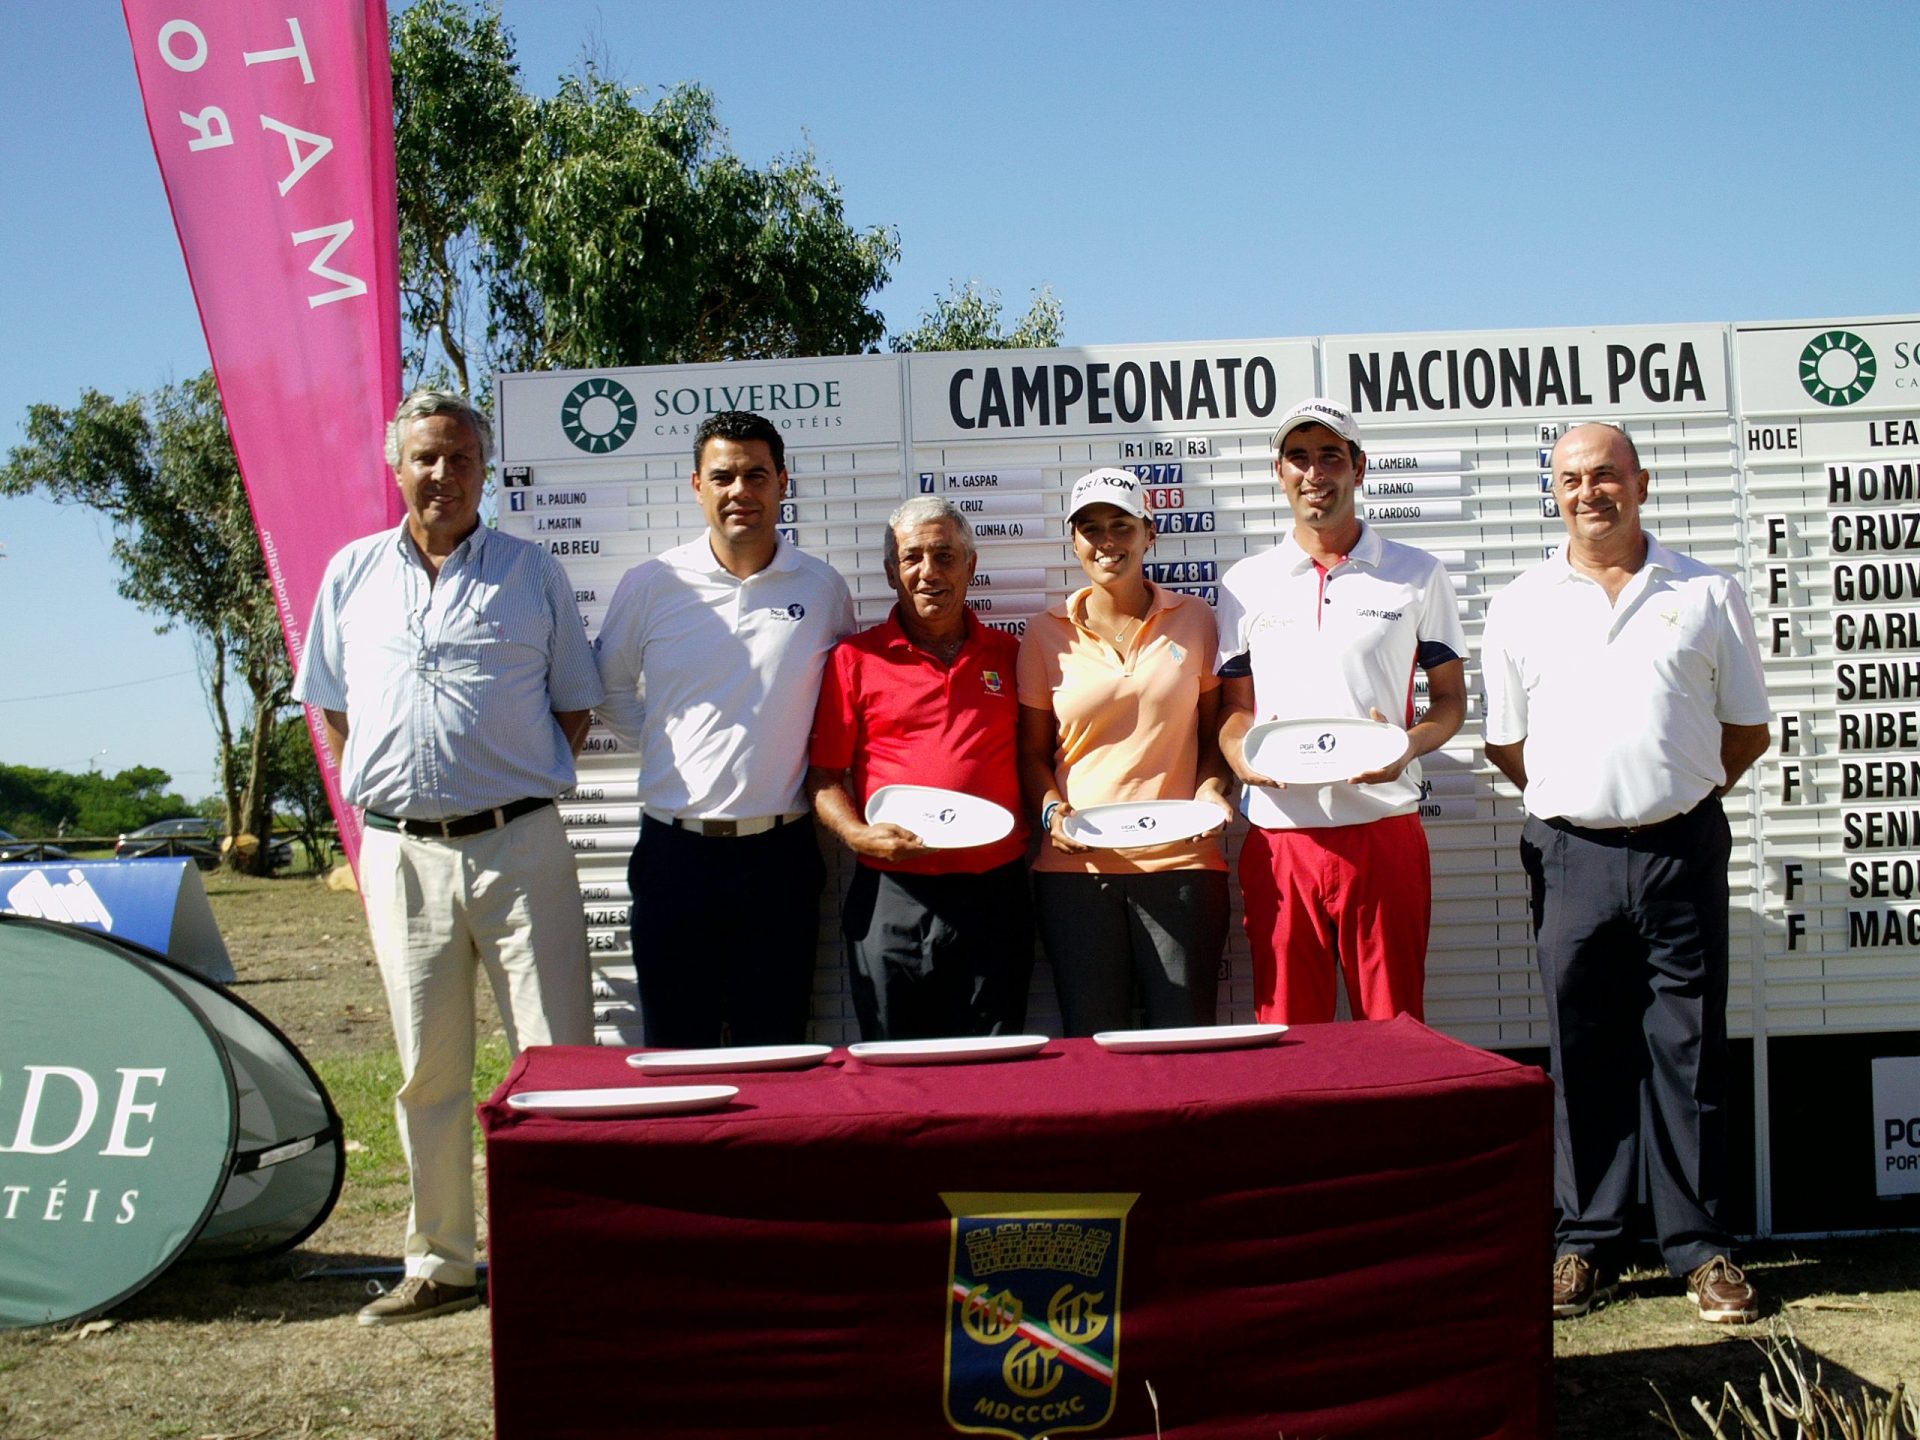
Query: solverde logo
1837, 367
599, 415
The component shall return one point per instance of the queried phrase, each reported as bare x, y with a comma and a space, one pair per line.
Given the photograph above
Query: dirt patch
302, 958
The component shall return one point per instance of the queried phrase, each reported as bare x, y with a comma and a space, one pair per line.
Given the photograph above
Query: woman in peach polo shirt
1117, 703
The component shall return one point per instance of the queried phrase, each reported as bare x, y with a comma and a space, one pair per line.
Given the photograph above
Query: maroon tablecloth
1345, 1234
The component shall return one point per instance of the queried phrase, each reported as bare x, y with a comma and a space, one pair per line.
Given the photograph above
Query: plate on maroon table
948, 1051
637, 1100
1189, 1037
730, 1058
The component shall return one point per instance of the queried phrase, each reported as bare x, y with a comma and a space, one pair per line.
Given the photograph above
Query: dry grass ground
254, 1352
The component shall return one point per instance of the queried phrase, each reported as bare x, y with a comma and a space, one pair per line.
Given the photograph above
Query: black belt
1625, 834
477, 823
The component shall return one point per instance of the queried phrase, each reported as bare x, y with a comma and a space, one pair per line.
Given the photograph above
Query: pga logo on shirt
795, 611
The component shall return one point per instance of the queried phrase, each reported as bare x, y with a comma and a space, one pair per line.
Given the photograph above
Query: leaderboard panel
1459, 430
1787, 455
1004, 435
1830, 442
597, 467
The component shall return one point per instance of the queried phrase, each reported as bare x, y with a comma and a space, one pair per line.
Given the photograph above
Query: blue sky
1226, 171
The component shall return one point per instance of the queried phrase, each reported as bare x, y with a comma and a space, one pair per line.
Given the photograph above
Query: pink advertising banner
273, 126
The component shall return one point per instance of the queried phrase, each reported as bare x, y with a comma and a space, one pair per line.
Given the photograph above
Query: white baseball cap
1317, 411
1109, 486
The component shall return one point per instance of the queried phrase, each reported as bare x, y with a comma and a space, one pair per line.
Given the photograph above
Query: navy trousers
1632, 940
724, 933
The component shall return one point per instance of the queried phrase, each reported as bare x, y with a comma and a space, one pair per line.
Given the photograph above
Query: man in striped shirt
456, 683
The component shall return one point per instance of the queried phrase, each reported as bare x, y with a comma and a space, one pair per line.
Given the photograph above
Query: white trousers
508, 899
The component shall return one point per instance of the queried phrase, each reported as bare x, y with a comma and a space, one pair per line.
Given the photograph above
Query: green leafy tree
161, 468
42, 804
299, 792
967, 317
459, 120
595, 229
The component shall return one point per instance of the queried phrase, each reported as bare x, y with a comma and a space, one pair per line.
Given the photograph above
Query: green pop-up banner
144, 1113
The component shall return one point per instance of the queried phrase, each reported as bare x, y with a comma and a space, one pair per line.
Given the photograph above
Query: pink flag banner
273, 126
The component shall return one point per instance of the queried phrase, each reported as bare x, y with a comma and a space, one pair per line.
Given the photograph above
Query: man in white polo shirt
711, 654
1331, 622
1624, 697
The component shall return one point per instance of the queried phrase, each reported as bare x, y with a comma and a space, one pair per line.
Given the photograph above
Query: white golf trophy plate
1322, 751
641, 1100
949, 1051
1190, 1037
735, 1059
1143, 822
943, 819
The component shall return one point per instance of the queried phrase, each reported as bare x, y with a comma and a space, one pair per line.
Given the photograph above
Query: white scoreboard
1786, 454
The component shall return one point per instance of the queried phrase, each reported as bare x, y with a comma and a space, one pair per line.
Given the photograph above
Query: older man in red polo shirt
939, 941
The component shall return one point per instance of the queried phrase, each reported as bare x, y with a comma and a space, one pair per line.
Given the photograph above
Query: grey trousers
1106, 933
1632, 933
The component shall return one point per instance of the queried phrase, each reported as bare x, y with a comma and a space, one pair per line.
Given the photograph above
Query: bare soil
257, 1352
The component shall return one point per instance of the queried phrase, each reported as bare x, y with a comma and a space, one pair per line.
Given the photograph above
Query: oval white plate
736, 1058
947, 1051
1143, 822
943, 819
640, 1100
1190, 1037
1322, 751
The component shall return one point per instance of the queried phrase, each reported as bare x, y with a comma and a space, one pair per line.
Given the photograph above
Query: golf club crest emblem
1033, 1312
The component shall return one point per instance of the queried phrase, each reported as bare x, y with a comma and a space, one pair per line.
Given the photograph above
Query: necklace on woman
1114, 629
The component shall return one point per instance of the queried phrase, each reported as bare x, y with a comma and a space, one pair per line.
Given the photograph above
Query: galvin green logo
599, 415
1837, 367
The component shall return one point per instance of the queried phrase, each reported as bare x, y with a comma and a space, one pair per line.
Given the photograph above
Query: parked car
190, 838
12, 847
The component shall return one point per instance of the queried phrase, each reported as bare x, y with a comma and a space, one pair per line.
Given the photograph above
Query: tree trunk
233, 815
257, 794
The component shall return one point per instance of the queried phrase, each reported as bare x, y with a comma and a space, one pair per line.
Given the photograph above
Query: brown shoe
1724, 1294
417, 1298
1577, 1287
